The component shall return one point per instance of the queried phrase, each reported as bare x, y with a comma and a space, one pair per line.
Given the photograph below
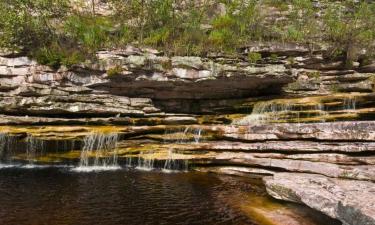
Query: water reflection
60, 197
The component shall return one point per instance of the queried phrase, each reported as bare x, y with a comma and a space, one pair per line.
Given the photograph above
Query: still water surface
58, 196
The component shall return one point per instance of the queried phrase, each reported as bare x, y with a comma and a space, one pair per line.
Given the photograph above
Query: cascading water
173, 163
197, 135
34, 148
265, 112
321, 111
291, 110
350, 103
99, 152
146, 161
31, 148
2, 144
7, 143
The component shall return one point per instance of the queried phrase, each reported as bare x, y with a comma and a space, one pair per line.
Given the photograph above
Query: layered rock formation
292, 116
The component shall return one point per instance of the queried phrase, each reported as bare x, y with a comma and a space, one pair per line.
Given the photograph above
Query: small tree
350, 27
26, 24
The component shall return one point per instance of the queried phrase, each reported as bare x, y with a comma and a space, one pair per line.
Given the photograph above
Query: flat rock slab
350, 201
333, 131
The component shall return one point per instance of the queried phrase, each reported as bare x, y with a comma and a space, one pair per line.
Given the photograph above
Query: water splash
146, 161
265, 112
293, 110
173, 163
99, 153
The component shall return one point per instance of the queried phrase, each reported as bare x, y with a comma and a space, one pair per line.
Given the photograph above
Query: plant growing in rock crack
254, 57
114, 71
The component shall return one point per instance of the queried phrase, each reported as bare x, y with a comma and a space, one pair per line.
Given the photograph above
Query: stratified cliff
303, 123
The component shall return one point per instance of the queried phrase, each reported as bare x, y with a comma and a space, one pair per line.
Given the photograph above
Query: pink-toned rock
352, 202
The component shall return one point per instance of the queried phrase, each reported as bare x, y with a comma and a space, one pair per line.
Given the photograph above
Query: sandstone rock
368, 68
327, 169
338, 131
346, 200
363, 86
80, 104
14, 71
281, 49
16, 62
325, 66
187, 62
175, 120
290, 146
353, 77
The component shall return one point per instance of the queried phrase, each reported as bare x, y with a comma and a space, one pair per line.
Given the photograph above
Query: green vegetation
55, 33
254, 57
117, 70
314, 74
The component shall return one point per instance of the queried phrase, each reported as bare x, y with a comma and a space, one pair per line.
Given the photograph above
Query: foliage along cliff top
66, 32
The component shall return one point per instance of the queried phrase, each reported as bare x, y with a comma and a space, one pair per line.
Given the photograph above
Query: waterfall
183, 135
169, 163
350, 103
146, 162
299, 109
197, 135
7, 144
129, 162
3, 143
174, 164
265, 111
34, 148
320, 108
99, 152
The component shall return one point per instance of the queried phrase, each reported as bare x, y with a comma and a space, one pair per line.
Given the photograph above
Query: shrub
254, 57
349, 27
49, 56
29, 24
91, 32
55, 56
42, 27
117, 70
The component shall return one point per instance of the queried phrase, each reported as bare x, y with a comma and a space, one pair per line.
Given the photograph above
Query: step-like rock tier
127, 82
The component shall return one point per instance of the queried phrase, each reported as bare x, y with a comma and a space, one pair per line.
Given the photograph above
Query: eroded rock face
27, 88
349, 201
336, 131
